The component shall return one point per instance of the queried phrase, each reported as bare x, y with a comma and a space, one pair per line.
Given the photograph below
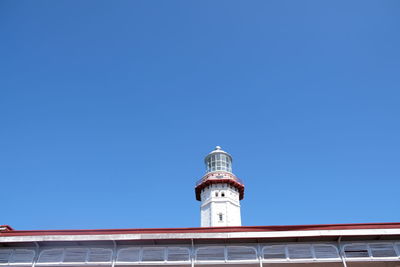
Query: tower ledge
219, 177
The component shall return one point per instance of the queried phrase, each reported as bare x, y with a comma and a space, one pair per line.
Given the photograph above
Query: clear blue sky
107, 109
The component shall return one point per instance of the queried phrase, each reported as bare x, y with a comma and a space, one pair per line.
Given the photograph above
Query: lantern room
218, 160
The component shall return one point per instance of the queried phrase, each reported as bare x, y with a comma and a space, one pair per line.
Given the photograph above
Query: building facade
348, 245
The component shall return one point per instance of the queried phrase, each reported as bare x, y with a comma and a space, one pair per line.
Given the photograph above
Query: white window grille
54, 255
301, 251
356, 250
22, 256
274, 252
75, 255
397, 247
323, 251
99, 255
382, 250
210, 254
153, 254
241, 253
128, 255
5, 255
178, 254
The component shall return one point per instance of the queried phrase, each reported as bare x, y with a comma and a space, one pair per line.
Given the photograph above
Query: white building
348, 245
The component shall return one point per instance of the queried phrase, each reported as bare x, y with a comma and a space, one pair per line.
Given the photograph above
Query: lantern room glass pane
219, 162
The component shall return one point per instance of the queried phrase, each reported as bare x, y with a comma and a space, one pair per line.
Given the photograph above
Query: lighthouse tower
219, 191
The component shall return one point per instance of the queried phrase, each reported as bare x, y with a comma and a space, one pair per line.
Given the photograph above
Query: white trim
216, 235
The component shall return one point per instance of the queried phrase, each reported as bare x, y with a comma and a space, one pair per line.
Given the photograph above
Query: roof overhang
251, 232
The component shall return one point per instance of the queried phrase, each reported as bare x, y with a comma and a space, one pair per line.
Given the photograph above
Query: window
216, 194
356, 250
382, 250
210, 254
222, 194
274, 252
219, 162
239, 253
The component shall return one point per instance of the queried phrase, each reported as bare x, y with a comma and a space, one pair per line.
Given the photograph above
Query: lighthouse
219, 191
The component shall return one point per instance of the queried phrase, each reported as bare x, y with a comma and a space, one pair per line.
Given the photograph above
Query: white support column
259, 253
192, 254
342, 256
114, 255
37, 250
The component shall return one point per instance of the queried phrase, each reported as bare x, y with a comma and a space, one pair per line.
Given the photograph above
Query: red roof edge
11, 232
6, 228
208, 182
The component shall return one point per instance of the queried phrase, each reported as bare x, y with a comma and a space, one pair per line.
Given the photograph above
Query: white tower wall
220, 206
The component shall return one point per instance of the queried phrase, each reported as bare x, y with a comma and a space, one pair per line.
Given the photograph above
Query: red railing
218, 175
